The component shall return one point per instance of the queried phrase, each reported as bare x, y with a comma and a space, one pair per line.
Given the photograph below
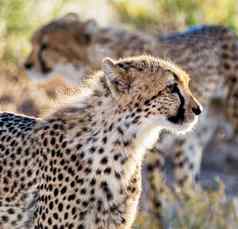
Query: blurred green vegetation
174, 15
18, 20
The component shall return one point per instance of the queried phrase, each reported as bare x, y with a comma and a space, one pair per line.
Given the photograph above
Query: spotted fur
81, 166
208, 53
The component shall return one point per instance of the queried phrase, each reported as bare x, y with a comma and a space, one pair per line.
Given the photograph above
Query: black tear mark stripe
44, 68
180, 115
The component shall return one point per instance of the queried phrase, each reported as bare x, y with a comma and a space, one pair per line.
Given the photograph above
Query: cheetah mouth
180, 115
45, 69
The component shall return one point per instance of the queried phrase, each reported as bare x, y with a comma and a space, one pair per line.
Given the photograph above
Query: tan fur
83, 161
208, 53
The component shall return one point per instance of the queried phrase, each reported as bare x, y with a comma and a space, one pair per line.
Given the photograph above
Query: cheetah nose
197, 110
28, 65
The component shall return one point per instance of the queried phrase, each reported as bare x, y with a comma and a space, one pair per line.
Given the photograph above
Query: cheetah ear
91, 27
87, 31
71, 17
116, 78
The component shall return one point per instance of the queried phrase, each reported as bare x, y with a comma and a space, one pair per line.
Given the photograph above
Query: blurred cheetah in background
208, 53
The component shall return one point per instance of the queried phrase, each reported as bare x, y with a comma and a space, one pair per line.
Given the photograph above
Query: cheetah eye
44, 46
172, 88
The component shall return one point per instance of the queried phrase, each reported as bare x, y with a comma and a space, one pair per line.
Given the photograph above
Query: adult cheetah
82, 163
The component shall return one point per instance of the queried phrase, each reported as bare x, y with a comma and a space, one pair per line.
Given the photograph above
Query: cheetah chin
69, 71
186, 127
180, 128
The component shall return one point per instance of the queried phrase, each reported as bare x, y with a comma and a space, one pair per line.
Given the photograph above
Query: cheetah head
58, 46
155, 91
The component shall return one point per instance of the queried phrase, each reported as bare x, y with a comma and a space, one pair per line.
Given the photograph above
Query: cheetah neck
125, 139
114, 131
134, 142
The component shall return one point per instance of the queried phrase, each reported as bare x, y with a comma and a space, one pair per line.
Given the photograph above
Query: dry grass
190, 210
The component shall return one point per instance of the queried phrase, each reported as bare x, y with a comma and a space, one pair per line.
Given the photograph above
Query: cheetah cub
87, 155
